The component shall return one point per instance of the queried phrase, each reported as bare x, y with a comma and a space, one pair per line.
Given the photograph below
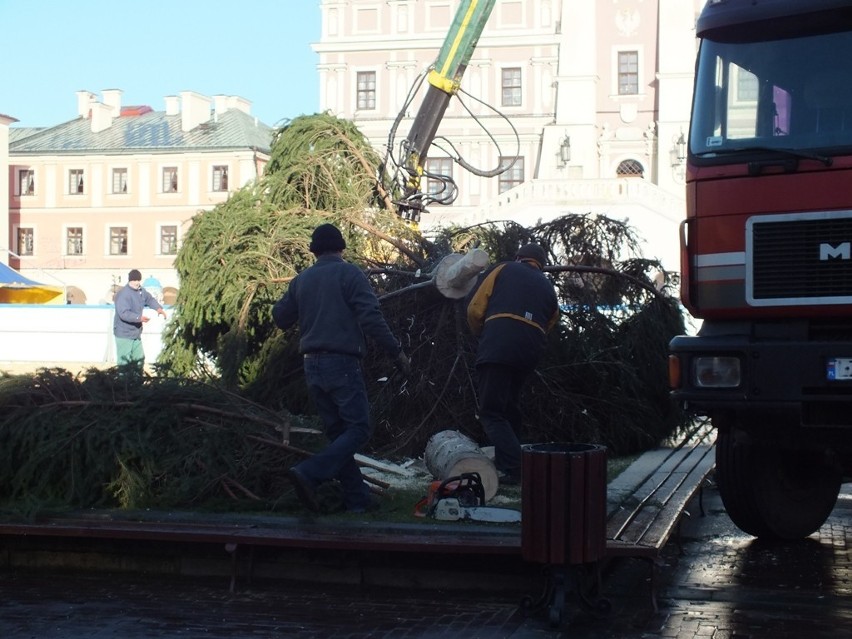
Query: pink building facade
117, 187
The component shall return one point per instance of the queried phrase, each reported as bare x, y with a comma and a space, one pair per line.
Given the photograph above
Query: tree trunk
450, 453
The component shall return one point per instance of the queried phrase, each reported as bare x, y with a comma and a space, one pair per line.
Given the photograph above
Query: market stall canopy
17, 289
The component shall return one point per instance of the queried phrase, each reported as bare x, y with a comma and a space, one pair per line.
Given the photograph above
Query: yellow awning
42, 294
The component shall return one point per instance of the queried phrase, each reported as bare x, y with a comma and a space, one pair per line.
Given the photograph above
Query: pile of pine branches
115, 438
603, 379
204, 432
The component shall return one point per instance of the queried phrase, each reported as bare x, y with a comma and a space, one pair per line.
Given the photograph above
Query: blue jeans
336, 385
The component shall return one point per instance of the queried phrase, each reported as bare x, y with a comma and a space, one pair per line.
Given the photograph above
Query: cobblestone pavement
731, 586
725, 585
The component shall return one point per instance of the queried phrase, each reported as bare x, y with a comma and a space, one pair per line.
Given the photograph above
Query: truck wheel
772, 492
734, 463
798, 490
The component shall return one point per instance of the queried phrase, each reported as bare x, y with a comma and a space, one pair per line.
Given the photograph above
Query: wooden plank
654, 521
595, 515
535, 531
652, 508
645, 490
400, 538
615, 548
652, 495
662, 528
382, 466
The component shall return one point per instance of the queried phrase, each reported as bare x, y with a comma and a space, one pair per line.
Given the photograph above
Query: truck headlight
716, 372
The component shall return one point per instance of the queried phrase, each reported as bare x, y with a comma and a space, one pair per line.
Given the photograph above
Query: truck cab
766, 258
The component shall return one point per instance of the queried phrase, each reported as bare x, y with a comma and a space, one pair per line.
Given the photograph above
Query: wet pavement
724, 585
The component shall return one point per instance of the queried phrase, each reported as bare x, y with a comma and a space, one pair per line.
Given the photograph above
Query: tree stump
456, 274
451, 453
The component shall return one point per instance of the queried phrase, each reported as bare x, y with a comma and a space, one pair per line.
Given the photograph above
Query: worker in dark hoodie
335, 308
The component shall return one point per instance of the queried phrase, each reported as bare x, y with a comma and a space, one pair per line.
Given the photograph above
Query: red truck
767, 258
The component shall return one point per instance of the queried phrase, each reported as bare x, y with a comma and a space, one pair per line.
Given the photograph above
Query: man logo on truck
829, 252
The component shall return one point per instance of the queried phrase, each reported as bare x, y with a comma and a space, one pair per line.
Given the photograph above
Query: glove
403, 364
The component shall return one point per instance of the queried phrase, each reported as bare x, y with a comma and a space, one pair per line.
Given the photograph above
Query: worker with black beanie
335, 307
130, 303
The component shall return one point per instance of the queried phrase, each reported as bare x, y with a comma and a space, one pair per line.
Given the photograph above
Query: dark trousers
500, 414
336, 385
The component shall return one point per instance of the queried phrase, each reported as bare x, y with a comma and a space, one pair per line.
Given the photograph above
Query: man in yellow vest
511, 309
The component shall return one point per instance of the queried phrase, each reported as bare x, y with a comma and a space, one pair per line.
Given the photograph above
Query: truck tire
734, 461
774, 492
798, 490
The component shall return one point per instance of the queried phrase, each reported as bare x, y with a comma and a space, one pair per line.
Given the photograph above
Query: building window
118, 240
26, 241
440, 185
74, 240
26, 182
628, 73
220, 178
630, 168
513, 176
170, 179
119, 180
511, 84
366, 90
75, 182
747, 85
168, 240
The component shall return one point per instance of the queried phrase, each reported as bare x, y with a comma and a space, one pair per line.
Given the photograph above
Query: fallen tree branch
307, 453
233, 483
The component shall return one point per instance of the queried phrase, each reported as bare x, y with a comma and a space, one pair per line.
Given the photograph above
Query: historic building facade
116, 187
586, 99
589, 99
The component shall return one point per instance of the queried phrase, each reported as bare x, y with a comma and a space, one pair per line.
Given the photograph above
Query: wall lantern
565, 151
678, 152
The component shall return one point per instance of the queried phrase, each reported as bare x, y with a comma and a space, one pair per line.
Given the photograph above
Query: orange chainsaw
462, 497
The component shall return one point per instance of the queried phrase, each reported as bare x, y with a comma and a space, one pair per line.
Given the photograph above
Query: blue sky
257, 49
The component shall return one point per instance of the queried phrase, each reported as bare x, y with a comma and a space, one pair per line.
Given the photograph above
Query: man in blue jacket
130, 302
511, 309
335, 307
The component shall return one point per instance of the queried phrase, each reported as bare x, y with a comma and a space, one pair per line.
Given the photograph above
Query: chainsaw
462, 497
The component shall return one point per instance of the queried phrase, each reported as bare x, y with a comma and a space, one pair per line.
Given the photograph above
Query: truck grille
799, 259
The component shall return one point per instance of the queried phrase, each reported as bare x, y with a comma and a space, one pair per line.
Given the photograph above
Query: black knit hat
326, 238
134, 276
532, 252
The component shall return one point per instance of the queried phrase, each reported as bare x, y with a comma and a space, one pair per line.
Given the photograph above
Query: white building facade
598, 92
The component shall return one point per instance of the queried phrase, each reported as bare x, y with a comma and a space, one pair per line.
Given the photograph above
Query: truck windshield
789, 95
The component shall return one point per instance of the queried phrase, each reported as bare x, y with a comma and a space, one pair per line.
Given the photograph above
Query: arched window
630, 168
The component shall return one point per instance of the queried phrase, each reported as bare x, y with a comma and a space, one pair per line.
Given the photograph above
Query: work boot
305, 491
508, 479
